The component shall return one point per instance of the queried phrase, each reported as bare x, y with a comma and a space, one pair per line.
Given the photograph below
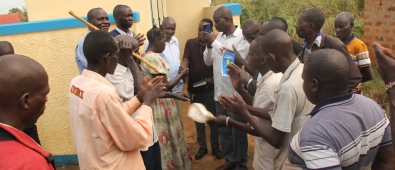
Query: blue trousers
207, 99
234, 141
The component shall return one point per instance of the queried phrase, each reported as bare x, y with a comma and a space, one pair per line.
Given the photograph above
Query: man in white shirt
234, 141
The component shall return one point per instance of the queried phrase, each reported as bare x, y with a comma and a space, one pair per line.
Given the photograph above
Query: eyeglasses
250, 39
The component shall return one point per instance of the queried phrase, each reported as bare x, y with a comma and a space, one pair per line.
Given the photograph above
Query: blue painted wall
46, 25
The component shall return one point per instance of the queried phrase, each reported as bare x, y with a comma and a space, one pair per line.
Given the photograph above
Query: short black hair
316, 16
208, 21
346, 15
89, 15
115, 11
98, 43
155, 33
282, 20
330, 68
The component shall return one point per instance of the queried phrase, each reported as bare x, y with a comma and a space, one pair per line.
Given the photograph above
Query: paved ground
208, 162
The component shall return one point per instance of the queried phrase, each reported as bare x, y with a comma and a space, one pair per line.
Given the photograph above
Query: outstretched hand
181, 96
150, 90
386, 63
184, 72
140, 38
234, 104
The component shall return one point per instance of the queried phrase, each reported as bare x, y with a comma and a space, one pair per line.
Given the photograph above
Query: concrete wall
49, 9
379, 18
51, 37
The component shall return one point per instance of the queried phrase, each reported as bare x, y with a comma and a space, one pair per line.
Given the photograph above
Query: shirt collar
317, 41
97, 77
333, 101
172, 40
121, 68
349, 39
197, 44
264, 77
236, 33
289, 70
123, 33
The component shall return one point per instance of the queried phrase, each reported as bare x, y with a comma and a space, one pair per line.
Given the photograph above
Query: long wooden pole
134, 54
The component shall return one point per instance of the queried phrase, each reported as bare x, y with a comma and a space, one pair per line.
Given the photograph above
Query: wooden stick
134, 54
82, 20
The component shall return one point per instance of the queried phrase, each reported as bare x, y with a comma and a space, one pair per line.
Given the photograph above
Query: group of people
301, 102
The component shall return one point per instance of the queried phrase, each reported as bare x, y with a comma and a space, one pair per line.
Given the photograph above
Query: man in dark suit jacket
123, 16
309, 26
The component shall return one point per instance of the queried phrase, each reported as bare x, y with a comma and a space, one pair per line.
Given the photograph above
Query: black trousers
151, 157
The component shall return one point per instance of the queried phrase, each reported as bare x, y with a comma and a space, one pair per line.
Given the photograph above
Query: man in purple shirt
200, 72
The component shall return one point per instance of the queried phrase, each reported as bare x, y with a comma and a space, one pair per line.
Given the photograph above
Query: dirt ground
208, 162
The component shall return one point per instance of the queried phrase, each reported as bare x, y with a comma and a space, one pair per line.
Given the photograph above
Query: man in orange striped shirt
344, 23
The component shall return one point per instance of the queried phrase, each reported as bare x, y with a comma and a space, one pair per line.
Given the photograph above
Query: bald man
23, 94
267, 86
344, 23
234, 141
291, 105
251, 30
346, 131
6, 48
30, 129
99, 18
123, 16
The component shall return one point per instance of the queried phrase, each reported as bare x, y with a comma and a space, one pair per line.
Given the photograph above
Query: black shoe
217, 153
201, 153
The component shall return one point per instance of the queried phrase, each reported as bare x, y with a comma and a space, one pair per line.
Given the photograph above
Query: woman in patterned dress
166, 117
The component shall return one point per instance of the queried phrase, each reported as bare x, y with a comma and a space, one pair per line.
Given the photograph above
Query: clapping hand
150, 90
234, 104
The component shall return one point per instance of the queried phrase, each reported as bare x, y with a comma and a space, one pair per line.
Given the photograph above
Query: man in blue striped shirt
346, 131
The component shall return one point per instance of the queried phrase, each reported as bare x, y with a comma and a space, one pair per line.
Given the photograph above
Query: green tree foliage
263, 10
17, 10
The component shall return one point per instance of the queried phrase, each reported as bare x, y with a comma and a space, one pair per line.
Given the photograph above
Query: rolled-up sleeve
123, 129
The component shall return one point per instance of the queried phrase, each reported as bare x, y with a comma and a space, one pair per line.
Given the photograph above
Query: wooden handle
82, 20
95, 28
146, 62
